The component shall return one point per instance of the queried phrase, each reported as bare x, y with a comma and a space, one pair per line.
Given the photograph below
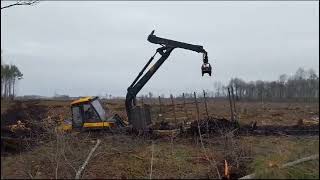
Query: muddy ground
127, 156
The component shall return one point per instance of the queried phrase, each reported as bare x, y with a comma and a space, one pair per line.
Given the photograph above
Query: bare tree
150, 95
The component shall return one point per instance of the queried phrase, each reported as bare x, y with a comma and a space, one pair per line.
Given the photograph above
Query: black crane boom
167, 42
167, 47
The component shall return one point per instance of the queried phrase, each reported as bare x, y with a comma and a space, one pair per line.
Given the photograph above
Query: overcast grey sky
93, 48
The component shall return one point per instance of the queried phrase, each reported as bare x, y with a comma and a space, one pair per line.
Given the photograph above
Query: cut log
309, 158
87, 160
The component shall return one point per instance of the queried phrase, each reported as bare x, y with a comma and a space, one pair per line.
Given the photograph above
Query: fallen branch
20, 3
87, 160
138, 157
313, 157
119, 152
309, 158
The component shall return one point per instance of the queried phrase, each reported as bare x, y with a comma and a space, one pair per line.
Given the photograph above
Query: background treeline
303, 86
9, 76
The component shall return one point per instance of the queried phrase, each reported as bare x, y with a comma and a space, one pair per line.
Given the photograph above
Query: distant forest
302, 86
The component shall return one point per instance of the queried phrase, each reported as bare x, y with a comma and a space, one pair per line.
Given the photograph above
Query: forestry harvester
88, 113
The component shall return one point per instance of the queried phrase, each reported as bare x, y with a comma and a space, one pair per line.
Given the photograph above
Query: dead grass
182, 160
122, 156
117, 157
5, 104
273, 152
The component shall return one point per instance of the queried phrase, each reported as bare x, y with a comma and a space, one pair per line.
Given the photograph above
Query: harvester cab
88, 113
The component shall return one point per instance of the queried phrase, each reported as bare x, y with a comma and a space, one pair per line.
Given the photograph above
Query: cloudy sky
93, 48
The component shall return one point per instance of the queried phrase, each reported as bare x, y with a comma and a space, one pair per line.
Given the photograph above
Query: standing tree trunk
6, 89
13, 84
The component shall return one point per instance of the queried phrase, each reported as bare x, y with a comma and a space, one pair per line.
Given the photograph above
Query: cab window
98, 107
89, 114
76, 117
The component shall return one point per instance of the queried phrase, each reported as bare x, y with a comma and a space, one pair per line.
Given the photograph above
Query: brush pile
221, 126
25, 124
212, 125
